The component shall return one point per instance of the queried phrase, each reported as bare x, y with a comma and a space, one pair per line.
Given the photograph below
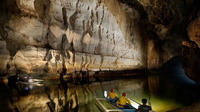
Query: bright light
134, 104
105, 93
30, 80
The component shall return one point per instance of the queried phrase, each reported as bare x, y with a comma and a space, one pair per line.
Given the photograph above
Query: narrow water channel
54, 96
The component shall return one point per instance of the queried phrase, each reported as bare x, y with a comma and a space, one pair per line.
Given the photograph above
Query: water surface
63, 96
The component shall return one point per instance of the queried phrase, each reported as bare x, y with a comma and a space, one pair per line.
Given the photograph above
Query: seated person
112, 96
123, 102
144, 107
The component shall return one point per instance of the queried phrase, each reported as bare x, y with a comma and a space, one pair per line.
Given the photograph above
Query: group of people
124, 103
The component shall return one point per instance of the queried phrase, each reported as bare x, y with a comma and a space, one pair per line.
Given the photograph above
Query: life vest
121, 102
112, 95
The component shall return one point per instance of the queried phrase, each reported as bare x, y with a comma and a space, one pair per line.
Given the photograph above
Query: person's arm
150, 108
128, 101
116, 95
139, 109
108, 95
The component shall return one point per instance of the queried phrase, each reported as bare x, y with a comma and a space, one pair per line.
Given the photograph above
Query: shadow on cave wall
8, 8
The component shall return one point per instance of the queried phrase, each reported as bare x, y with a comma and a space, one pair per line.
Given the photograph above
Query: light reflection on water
52, 96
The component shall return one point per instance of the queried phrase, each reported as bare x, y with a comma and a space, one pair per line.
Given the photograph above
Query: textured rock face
191, 50
4, 57
165, 14
194, 31
76, 35
49, 36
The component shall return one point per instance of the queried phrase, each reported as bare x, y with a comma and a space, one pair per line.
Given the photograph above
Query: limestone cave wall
49, 36
52, 36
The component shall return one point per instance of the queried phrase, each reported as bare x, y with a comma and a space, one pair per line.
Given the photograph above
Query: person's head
124, 94
111, 90
144, 101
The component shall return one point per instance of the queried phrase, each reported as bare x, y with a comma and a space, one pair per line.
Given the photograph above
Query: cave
66, 55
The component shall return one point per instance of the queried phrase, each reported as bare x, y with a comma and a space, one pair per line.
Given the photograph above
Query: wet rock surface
76, 36
191, 49
55, 36
49, 36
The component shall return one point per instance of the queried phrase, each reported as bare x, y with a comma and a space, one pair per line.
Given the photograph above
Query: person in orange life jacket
123, 102
112, 96
144, 107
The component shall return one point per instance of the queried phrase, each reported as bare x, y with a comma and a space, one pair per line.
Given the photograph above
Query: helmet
123, 94
111, 90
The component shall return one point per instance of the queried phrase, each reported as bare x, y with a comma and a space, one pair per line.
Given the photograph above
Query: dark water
169, 89
175, 83
56, 96
52, 95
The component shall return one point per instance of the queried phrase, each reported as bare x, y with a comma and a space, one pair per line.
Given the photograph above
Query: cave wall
170, 29
167, 21
52, 36
191, 49
40, 36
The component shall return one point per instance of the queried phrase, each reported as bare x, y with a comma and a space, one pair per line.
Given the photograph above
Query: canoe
106, 106
109, 107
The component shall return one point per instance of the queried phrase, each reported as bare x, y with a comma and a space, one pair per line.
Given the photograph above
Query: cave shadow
174, 83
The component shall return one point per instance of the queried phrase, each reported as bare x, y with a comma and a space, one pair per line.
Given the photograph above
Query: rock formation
191, 50
54, 36
73, 35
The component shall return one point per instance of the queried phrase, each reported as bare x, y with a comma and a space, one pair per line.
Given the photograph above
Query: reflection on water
34, 95
172, 81
169, 89
52, 96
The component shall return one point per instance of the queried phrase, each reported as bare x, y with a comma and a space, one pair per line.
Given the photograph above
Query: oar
149, 101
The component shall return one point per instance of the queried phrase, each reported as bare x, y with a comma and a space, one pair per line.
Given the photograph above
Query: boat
107, 106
